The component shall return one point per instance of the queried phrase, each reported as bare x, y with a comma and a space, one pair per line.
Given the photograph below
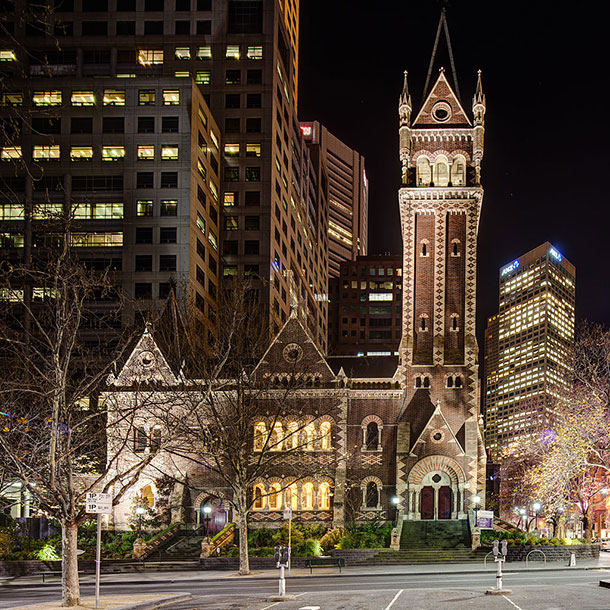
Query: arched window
147, 495
455, 322
307, 496
291, 440
418, 381
324, 496
458, 381
458, 172
275, 496
423, 323
424, 248
258, 493
372, 495
310, 432
291, 496
450, 381
277, 434
140, 440
155, 438
325, 435
372, 436
441, 172
260, 432
424, 174
455, 247
426, 382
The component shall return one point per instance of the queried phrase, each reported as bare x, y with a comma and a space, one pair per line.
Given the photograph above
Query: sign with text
99, 503
485, 519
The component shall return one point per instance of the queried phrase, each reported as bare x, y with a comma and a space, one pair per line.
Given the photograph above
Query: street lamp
140, 510
395, 502
536, 506
206, 518
522, 516
476, 500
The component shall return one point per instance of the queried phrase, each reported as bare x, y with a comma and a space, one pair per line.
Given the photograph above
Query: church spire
405, 106
478, 102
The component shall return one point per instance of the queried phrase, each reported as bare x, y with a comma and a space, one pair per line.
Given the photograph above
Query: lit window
14, 98
231, 150
146, 97
113, 153
144, 207
81, 153
232, 51
114, 97
214, 138
277, 437
150, 57
259, 500
200, 223
98, 211
11, 240
169, 207
310, 431
11, 211
183, 53
291, 497
83, 98
214, 189
146, 152
203, 77
169, 153
48, 210
307, 496
213, 240
46, 98
231, 223
171, 97
184, 74
325, 435
96, 239
275, 496
201, 169
7, 55
229, 198
324, 496
9, 153
46, 153
255, 52
253, 150
204, 52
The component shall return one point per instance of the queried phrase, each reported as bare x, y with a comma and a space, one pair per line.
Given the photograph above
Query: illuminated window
424, 174
201, 169
275, 496
48, 210
458, 172
144, 207
182, 74
291, 440
203, 77
81, 153
171, 97
169, 207
229, 198
11, 211
441, 172
255, 52
291, 497
94, 240
201, 223
310, 432
9, 153
183, 53
150, 57
231, 150
114, 97
46, 153
82, 98
324, 496
14, 98
113, 153
213, 189
146, 152
307, 496
213, 240
232, 51
324, 437
204, 52
46, 98
98, 211
277, 435
169, 153
258, 497
253, 150
260, 433
7, 55
231, 223
11, 240
146, 97
214, 138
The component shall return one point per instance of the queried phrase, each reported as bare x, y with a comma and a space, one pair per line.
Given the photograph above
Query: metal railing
534, 551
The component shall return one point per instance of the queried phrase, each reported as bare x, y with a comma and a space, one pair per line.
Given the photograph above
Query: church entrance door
444, 502
427, 502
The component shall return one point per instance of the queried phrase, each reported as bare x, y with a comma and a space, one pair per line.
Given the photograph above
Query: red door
444, 502
427, 503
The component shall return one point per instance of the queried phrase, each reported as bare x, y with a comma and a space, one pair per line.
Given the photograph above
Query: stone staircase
430, 542
185, 548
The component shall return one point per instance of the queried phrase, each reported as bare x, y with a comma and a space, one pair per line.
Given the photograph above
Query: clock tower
441, 457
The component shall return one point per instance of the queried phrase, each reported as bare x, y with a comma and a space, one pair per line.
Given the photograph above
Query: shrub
261, 537
330, 540
358, 540
310, 548
48, 553
281, 536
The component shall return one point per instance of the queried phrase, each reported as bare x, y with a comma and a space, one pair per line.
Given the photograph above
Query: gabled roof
442, 92
437, 421
418, 413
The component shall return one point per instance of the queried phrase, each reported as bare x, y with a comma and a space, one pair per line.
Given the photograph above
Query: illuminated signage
556, 255
514, 265
306, 130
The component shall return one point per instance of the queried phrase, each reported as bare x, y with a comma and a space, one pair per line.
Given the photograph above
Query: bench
53, 573
321, 562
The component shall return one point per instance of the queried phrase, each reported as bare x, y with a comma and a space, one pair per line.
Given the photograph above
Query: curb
157, 603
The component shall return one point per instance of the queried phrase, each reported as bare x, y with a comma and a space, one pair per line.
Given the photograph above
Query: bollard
572, 562
282, 589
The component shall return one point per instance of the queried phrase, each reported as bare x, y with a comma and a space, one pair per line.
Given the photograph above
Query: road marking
276, 603
395, 598
510, 601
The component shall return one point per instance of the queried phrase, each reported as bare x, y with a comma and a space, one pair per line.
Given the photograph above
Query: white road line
271, 606
395, 598
510, 601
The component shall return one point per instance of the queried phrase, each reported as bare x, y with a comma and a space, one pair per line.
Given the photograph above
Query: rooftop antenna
442, 25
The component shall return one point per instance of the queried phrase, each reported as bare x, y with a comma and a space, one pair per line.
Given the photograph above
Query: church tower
441, 457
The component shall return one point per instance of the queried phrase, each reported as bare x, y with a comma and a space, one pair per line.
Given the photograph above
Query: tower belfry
441, 150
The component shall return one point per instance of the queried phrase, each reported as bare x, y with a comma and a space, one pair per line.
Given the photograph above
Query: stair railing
222, 539
397, 532
172, 532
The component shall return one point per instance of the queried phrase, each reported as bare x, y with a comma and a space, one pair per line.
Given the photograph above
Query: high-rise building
365, 307
89, 86
527, 348
348, 195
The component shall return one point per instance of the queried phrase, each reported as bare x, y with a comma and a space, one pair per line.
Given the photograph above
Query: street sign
99, 503
485, 519
288, 513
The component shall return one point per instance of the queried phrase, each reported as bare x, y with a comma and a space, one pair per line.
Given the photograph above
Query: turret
478, 111
405, 107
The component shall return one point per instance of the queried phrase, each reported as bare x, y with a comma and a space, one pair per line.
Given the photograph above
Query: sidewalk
603, 563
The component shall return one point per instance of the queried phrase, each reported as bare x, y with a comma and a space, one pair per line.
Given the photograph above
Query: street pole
289, 539
98, 560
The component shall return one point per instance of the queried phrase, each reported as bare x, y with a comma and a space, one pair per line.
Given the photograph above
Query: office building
528, 347
365, 307
85, 65
347, 195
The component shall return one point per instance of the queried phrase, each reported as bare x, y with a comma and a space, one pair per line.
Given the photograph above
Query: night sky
545, 75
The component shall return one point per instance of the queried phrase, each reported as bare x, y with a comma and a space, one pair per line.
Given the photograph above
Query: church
401, 436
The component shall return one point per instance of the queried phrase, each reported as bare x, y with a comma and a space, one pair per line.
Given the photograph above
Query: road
578, 589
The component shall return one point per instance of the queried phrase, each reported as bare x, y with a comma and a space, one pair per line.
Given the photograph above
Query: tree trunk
244, 560
70, 591
588, 529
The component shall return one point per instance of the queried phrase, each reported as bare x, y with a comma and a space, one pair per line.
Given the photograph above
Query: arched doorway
213, 520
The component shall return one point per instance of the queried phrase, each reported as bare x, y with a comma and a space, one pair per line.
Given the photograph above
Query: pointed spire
405, 106
478, 102
405, 97
479, 97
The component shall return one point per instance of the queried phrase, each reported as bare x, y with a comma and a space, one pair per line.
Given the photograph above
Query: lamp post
476, 500
140, 510
395, 502
522, 516
206, 518
536, 506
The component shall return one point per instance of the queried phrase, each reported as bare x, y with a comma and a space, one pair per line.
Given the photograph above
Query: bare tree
55, 357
